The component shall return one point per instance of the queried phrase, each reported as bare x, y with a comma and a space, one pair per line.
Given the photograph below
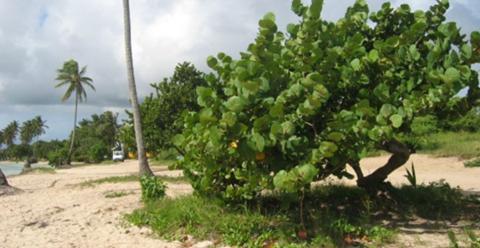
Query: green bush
153, 188
58, 157
97, 153
297, 107
472, 163
469, 122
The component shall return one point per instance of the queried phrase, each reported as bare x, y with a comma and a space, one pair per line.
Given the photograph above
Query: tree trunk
400, 155
144, 168
3, 179
72, 140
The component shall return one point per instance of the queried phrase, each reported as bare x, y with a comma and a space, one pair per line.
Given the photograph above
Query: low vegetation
39, 170
472, 163
114, 179
117, 194
334, 216
465, 145
153, 188
128, 178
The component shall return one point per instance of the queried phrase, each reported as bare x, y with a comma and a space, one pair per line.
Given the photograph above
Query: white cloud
37, 36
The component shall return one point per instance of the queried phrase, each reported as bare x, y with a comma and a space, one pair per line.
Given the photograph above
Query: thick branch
400, 155
356, 167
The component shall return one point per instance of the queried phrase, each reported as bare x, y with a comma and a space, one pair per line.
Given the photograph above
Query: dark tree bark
400, 155
3, 179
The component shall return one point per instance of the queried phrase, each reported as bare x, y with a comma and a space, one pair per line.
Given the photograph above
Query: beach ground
54, 211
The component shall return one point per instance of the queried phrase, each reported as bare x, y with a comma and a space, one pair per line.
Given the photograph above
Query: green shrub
57, 158
97, 153
298, 107
469, 122
434, 200
472, 163
153, 188
424, 125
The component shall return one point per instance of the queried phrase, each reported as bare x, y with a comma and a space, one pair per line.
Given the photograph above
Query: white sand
52, 213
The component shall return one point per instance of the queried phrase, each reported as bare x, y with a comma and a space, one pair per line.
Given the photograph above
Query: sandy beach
53, 212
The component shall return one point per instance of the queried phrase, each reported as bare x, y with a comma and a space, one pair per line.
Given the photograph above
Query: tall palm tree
10, 133
75, 80
144, 169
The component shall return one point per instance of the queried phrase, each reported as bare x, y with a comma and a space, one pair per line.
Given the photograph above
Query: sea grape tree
300, 106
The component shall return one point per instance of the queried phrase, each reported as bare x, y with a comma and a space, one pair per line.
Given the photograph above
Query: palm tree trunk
144, 169
72, 140
3, 179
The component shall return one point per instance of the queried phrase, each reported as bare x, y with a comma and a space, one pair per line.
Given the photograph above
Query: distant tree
29, 130
71, 76
144, 168
10, 133
96, 137
162, 110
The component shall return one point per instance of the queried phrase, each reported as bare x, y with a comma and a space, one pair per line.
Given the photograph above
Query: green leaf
382, 91
277, 110
355, 64
206, 116
308, 172
297, 7
316, 8
328, 149
335, 136
396, 120
373, 56
268, 22
288, 128
259, 142
229, 118
235, 104
451, 75
467, 51
386, 110
211, 62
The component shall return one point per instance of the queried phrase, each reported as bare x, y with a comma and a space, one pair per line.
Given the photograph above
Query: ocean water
11, 169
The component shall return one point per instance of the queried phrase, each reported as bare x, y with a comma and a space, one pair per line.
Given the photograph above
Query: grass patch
335, 216
162, 162
453, 144
116, 194
128, 178
114, 179
472, 163
39, 170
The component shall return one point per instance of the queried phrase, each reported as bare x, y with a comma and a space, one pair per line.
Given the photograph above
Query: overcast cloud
37, 36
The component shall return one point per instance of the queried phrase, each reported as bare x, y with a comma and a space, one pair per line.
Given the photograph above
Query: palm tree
144, 169
70, 75
27, 133
10, 133
38, 125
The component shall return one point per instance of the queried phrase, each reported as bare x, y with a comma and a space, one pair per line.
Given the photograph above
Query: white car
118, 156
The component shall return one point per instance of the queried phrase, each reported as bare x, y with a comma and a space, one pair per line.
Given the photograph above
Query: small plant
153, 188
473, 239
116, 194
412, 176
472, 163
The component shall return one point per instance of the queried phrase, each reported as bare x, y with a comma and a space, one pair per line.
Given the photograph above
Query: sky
37, 36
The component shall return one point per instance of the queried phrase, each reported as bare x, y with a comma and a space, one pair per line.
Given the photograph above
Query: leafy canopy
299, 106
